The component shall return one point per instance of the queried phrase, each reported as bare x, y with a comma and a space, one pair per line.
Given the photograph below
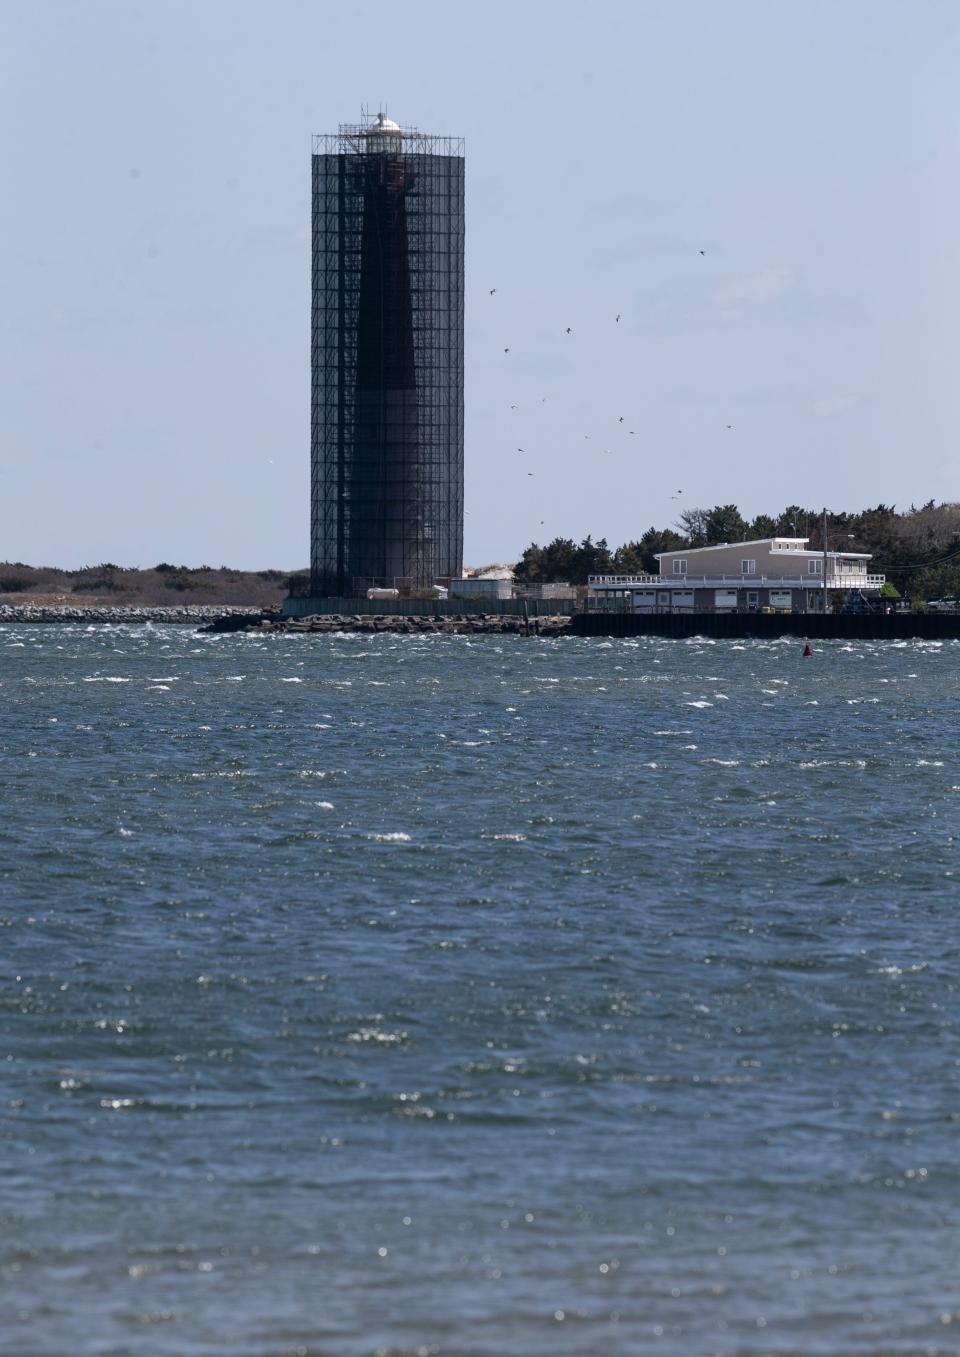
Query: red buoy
807, 650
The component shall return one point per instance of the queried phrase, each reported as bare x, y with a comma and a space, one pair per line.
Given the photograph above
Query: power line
924, 565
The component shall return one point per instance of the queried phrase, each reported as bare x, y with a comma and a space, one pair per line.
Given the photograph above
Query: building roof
800, 543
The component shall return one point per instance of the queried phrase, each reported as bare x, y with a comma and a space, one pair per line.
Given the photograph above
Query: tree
563, 560
932, 528
591, 558
725, 523
938, 582
546, 565
528, 570
919, 551
764, 526
656, 540
693, 523
794, 521
628, 559
878, 528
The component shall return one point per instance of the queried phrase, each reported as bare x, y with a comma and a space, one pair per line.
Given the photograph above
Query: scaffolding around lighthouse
387, 358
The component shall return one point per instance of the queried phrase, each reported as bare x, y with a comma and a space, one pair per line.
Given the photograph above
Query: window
679, 567
815, 567
748, 567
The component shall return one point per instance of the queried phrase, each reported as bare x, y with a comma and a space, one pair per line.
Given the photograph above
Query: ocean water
476, 995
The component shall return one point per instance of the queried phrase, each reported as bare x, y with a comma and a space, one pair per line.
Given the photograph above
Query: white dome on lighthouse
383, 125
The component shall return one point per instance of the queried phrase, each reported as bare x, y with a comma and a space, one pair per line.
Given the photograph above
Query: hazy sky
154, 260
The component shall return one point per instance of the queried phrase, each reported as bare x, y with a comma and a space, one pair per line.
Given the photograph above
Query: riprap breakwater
415, 624
25, 612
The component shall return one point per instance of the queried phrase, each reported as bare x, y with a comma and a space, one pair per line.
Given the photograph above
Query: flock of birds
620, 419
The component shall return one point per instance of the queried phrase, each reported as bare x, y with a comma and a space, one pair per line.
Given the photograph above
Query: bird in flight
529, 473
621, 419
569, 331
519, 449
514, 407
492, 291
703, 252
506, 350
633, 431
729, 426
618, 319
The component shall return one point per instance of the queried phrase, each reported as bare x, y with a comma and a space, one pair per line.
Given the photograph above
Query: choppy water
457, 995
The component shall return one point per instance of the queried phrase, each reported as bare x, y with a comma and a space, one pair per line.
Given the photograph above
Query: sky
765, 191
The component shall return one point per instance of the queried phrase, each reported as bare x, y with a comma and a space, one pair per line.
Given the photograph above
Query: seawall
805, 626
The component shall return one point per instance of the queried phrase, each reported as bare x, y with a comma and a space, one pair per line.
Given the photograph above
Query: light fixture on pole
825, 561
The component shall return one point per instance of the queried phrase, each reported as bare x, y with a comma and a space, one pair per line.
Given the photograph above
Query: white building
779, 573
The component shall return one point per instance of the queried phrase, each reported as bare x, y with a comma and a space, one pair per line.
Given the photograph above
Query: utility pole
824, 561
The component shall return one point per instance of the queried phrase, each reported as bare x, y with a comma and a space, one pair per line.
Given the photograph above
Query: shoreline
226, 619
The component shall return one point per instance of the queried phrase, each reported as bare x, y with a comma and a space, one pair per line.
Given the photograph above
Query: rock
231, 617
268, 621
